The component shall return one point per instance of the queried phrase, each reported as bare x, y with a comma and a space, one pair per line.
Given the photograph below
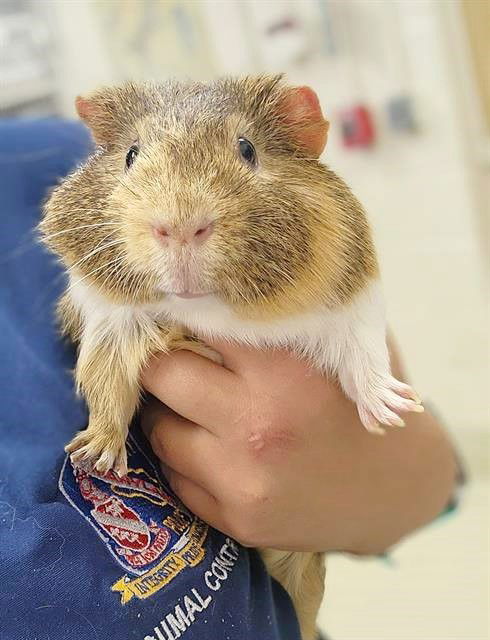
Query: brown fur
303, 577
288, 237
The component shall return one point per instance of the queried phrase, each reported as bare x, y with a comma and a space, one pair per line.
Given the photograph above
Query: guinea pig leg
381, 399
107, 374
364, 367
302, 575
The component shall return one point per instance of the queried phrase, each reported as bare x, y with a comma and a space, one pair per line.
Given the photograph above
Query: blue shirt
86, 557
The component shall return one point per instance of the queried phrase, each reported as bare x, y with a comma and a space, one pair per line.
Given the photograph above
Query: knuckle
175, 481
157, 443
249, 514
252, 501
271, 434
246, 532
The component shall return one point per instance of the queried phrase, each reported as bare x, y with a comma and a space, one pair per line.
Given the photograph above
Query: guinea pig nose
201, 234
195, 234
161, 232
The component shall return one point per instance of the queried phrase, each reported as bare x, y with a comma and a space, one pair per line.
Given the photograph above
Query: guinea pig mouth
188, 294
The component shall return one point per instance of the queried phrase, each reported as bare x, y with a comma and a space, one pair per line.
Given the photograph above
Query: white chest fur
349, 341
320, 334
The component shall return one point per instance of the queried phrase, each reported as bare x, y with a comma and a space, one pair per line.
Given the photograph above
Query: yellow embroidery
190, 555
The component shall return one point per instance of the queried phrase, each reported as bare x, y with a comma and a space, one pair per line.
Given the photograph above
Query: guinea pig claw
99, 450
384, 403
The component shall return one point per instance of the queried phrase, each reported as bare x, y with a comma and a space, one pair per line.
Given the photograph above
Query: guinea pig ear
300, 110
110, 111
98, 116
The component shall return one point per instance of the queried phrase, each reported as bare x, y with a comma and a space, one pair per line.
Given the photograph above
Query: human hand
272, 453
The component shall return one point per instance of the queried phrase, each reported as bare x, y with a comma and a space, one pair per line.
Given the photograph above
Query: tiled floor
436, 589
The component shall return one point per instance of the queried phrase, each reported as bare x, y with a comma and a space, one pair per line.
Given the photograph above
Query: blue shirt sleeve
86, 556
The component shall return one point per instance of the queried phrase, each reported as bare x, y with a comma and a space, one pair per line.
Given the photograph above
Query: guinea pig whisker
123, 184
140, 288
104, 266
113, 268
62, 216
99, 246
108, 245
133, 290
97, 249
82, 226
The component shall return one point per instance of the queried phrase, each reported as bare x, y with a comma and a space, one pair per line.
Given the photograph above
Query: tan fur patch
302, 575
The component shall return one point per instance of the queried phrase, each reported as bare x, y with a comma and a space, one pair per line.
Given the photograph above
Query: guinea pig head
200, 189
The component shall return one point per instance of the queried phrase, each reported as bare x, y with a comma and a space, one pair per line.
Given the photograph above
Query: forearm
395, 483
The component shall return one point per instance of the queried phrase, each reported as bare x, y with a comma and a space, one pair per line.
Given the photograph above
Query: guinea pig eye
247, 151
131, 155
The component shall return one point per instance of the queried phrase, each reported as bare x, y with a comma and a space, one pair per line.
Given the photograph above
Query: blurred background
406, 87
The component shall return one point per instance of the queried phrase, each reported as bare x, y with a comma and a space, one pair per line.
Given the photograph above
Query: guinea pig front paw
103, 449
383, 402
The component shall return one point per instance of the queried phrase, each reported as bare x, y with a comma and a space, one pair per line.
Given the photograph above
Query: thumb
238, 357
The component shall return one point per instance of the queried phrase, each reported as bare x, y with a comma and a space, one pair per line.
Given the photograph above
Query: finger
203, 504
153, 412
249, 361
188, 449
238, 357
196, 388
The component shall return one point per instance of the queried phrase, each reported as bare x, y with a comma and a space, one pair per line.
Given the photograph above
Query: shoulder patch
143, 525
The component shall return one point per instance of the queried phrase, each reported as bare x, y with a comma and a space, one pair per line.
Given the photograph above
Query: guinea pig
205, 210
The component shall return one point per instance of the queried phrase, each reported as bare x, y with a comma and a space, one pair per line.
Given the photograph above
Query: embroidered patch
145, 527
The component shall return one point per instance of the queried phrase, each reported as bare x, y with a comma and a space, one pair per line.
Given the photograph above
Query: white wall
82, 61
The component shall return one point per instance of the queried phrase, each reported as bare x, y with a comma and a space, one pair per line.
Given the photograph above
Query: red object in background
357, 127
